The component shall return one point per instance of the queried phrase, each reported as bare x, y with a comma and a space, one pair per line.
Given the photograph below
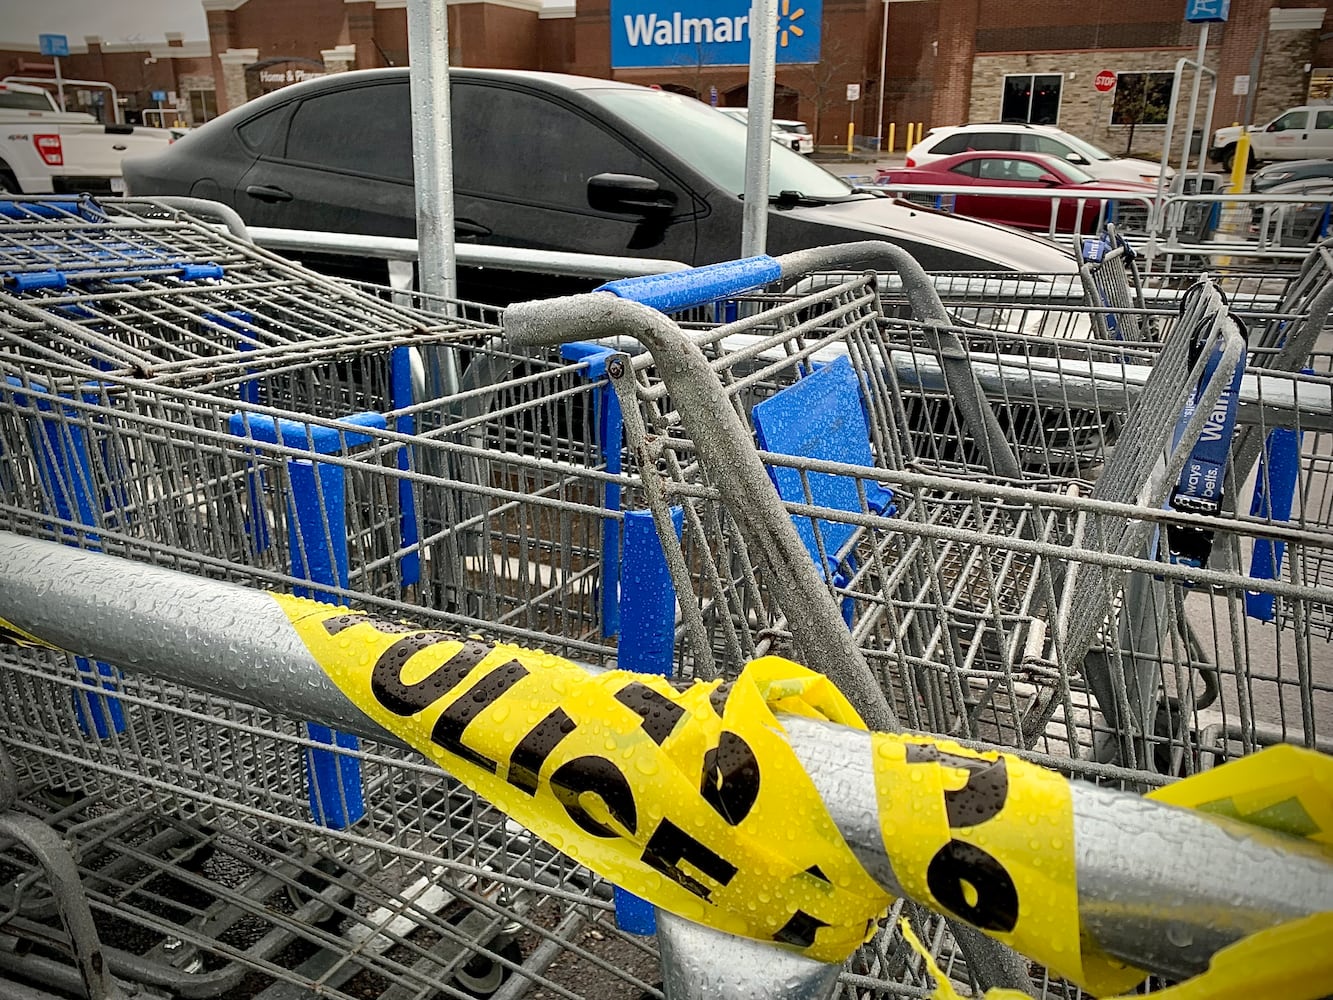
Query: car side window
265, 134
1012, 171
968, 168
520, 146
1043, 144
364, 130
1323, 119
1291, 120
951, 144
996, 141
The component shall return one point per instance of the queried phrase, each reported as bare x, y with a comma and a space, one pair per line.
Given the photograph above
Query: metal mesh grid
951, 599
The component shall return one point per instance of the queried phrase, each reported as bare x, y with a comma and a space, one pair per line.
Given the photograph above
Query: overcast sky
114, 21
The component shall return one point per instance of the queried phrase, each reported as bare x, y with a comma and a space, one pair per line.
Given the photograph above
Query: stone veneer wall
1284, 83
1085, 111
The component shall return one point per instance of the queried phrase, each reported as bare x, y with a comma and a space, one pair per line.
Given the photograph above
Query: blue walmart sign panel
706, 32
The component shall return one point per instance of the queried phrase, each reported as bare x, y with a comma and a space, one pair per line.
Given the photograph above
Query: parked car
548, 162
1039, 171
1020, 138
44, 150
1290, 172
1296, 134
787, 131
1295, 223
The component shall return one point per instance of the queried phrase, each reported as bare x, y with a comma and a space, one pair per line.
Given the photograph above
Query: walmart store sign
706, 32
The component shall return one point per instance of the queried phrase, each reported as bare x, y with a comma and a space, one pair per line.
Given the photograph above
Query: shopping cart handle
697, 286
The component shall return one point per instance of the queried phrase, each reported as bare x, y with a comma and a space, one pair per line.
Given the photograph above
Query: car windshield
1075, 174
1088, 150
799, 128
714, 144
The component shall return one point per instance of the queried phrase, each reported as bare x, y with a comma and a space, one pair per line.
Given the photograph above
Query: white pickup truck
44, 150
1302, 133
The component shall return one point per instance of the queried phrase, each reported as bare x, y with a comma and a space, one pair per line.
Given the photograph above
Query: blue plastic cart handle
699, 285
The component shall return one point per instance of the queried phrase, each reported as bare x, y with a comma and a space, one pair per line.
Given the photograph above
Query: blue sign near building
53, 45
1208, 11
664, 33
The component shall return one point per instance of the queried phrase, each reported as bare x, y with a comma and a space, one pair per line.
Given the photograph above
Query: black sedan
546, 162
1288, 172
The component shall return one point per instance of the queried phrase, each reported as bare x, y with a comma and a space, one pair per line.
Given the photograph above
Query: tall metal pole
883, 58
60, 84
432, 159
1194, 107
759, 139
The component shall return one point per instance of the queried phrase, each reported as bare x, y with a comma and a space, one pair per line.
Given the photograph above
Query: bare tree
824, 84
693, 65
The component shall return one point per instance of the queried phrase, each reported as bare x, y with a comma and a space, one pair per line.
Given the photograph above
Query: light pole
883, 54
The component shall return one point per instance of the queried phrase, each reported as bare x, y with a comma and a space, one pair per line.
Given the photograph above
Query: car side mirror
628, 194
1075, 158
1050, 180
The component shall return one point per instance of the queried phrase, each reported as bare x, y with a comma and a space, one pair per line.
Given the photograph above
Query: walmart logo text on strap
651, 33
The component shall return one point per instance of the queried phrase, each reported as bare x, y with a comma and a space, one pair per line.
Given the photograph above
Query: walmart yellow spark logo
787, 26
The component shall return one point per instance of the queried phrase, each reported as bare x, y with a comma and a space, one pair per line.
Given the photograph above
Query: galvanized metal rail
1152, 879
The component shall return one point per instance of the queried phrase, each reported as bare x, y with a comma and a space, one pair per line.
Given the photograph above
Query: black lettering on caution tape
525, 763
448, 731
799, 930
659, 713
670, 845
981, 798
731, 778
957, 866
594, 774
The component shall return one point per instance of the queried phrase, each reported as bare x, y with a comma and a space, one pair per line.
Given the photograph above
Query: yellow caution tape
689, 798
692, 798
989, 838
12, 635
1292, 961
1284, 788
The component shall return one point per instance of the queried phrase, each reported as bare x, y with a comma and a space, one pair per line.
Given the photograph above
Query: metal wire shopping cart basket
533, 523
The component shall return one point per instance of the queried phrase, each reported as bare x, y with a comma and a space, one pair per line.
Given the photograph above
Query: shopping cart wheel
481, 976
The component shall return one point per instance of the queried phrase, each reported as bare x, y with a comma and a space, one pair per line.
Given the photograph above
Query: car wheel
9, 183
1228, 158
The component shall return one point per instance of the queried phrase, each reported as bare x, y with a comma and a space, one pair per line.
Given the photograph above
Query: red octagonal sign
1105, 81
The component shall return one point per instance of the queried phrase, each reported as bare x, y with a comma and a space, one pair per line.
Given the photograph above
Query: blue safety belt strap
1199, 489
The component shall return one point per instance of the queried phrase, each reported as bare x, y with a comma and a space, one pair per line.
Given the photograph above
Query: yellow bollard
851, 134
892, 137
908, 144
1241, 163
920, 131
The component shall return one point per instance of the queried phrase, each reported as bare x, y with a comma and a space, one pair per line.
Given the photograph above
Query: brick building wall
946, 59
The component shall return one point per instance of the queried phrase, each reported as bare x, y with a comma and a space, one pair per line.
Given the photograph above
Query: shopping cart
531, 525
171, 394
983, 639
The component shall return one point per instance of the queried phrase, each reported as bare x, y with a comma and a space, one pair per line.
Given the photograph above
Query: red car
981, 169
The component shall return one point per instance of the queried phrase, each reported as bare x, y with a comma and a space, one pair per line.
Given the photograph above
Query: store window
1142, 98
203, 106
1034, 99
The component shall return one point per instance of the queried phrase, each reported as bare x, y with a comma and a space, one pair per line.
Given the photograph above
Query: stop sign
1105, 81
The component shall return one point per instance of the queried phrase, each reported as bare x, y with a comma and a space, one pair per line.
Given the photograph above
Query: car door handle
466, 227
264, 192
